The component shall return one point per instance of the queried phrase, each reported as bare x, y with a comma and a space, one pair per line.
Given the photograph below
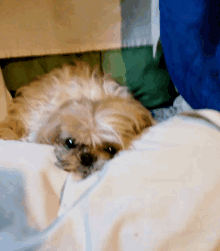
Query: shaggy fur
87, 116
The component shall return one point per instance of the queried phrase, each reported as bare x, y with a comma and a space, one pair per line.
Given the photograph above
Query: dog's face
86, 134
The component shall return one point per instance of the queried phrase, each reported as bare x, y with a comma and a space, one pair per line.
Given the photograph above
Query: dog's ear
144, 120
50, 132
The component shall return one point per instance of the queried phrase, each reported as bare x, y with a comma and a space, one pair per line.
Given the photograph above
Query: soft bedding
162, 195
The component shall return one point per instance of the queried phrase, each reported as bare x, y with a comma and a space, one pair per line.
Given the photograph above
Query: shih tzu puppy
86, 115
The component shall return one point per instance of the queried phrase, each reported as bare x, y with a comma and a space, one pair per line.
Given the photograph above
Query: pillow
146, 77
21, 71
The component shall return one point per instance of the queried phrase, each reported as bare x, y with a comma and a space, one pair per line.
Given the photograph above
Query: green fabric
145, 76
18, 72
112, 62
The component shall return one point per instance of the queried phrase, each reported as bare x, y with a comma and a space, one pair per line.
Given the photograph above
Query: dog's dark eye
111, 150
70, 143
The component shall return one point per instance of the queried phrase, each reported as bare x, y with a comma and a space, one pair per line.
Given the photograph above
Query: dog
84, 114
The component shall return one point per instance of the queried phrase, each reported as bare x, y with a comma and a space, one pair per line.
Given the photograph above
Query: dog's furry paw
7, 134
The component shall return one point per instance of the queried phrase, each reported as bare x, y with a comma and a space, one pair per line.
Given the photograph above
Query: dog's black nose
87, 159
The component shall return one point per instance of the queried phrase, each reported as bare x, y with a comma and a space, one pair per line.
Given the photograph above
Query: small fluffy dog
86, 115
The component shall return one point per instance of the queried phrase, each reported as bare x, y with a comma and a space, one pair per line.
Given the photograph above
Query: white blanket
163, 195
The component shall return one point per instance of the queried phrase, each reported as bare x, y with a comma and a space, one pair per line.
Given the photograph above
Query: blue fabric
190, 36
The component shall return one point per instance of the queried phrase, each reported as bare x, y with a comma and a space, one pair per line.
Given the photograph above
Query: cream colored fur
80, 104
